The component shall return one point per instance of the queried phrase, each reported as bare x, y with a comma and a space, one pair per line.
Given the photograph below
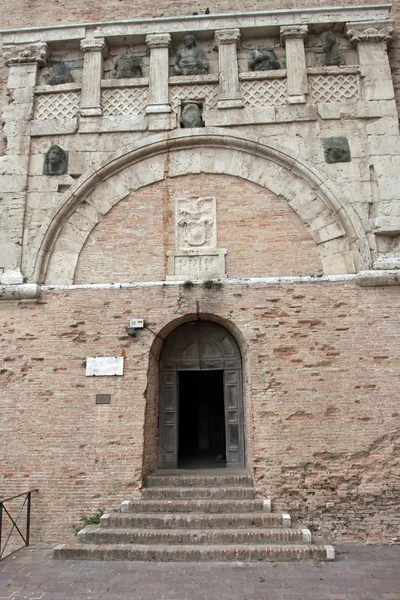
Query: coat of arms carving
196, 223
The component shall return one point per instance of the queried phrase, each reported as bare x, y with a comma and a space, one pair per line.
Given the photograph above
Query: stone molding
293, 32
226, 36
158, 40
369, 31
310, 193
34, 53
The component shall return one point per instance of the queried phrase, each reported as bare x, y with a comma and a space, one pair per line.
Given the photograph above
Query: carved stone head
127, 66
189, 41
263, 58
332, 55
336, 149
191, 116
55, 161
60, 74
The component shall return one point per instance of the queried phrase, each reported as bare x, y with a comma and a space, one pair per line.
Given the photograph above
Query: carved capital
34, 53
94, 45
293, 32
158, 40
227, 36
369, 31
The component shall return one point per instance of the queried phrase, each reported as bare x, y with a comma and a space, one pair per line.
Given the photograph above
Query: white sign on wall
104, 365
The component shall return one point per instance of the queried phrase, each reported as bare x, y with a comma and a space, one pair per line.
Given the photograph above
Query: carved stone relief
127, 66
60, 74
263, 58
196, 255
191, 60
336, 149
332, 55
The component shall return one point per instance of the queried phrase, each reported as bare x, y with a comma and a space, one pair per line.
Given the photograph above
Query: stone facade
288, 196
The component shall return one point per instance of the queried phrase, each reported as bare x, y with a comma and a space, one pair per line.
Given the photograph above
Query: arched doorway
200, 400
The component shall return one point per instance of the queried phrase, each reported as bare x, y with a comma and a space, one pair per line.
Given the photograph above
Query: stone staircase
196, 516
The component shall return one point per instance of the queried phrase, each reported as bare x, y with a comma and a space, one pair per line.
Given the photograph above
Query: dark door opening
201, 419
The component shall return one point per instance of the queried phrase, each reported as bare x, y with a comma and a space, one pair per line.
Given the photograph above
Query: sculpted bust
263, 58
191, 60
332, 55
60, 74
127, 66
55, 161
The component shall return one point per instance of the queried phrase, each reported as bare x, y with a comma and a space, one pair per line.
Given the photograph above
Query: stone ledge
377, 278
261, 75
125, 83
57, 89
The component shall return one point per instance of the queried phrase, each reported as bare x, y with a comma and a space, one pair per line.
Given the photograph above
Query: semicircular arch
334, 225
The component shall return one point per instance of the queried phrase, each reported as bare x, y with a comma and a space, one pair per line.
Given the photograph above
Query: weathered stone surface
263, 58
332, 55
191, 116
60, 74
127, 66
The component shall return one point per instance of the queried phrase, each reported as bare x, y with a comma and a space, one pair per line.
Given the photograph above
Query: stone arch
151, 440
333, 224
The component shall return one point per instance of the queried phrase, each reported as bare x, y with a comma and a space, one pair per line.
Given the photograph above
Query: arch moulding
333, 224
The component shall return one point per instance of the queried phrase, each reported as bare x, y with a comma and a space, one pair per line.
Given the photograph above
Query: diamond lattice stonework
267, 92
208, 93
334, 88
64, 105
124, 101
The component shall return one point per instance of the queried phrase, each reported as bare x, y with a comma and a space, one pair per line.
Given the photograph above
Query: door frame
200, 346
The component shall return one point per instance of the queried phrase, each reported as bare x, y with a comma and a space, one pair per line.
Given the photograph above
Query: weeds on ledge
93, 519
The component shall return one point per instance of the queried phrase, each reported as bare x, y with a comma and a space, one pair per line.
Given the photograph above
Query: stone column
158, 108
227, 41
371, 39
24, 63
94, 51
292, 37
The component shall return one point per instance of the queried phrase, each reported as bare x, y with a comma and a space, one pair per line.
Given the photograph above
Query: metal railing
7, 518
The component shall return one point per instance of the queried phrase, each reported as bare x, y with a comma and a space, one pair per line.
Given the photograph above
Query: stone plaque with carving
196, 254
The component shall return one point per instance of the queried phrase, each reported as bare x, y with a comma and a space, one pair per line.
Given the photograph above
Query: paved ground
359, 573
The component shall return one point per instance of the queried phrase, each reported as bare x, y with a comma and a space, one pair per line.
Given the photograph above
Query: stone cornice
369, 31
260, 20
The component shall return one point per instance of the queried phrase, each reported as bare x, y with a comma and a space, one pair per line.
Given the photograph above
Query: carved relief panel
196, 254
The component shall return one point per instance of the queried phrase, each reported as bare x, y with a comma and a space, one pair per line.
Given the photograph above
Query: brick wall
262, 234
323, 376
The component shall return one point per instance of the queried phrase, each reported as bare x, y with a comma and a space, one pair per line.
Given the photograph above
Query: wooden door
200, 346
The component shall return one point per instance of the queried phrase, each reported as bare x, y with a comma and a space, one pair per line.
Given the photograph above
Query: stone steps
195, 520
195, 505
94, 534
180, 553
195, 517
234, 480
198, 493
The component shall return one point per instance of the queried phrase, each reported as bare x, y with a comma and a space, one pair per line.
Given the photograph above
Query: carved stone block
263, 58
127, 66
191, 115
191, 60
336, 149
332, 55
